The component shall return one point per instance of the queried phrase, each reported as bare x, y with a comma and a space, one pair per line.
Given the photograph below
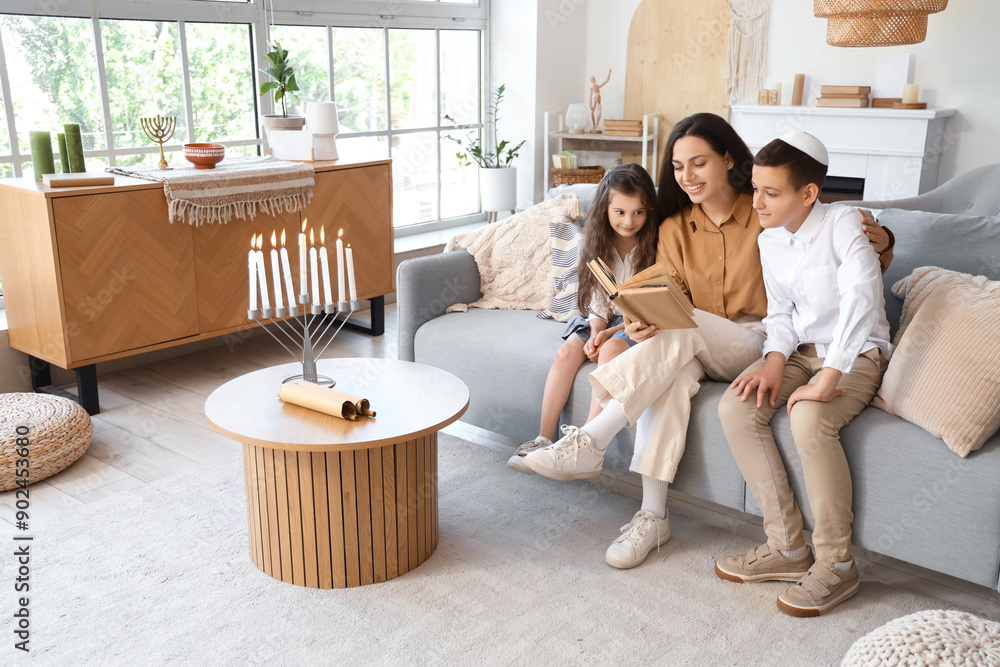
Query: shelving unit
565, 140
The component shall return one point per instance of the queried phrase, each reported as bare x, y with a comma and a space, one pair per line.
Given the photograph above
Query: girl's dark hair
627, 179
723, 139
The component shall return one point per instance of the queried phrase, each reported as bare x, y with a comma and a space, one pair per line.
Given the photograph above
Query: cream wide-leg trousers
655, 380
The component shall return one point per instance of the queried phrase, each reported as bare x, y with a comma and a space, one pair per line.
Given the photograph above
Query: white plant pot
498, 188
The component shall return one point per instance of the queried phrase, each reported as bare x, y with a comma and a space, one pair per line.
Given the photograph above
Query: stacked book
623, 128
844, 97
565, 160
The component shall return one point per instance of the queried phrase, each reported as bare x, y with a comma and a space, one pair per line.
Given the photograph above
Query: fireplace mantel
896, 151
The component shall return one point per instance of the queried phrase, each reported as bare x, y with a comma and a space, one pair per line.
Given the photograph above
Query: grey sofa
914, 499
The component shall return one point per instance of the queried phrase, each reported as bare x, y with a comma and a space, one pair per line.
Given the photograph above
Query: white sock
795, 553
606, 425
844, 566
654, 496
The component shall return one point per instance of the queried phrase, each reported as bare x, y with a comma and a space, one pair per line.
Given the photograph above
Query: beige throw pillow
514, 256
944, 374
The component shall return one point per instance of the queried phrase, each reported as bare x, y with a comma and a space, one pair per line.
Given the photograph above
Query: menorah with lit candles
304, 336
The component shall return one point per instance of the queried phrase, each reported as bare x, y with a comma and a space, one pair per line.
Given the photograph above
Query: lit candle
910, 93
287, 268
279, 302
340, 267
351, 285
324, 259
302, 258
265, 300
314, 265
252, 270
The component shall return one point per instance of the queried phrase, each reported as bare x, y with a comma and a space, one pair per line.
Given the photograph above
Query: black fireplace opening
842, 188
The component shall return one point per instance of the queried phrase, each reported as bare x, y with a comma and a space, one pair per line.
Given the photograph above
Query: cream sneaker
819, 590
763, 564
639, 536
516, 462
572, 457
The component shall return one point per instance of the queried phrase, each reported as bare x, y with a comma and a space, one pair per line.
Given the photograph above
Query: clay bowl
204, 156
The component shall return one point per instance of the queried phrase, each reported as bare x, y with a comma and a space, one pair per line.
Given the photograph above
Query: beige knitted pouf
58, 432
931, 637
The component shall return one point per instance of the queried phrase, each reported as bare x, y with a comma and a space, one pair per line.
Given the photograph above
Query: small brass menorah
160, 129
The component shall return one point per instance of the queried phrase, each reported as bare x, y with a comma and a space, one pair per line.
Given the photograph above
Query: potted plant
283, 85
497, 179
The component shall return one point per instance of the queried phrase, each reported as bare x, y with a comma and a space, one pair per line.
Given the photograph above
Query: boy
824, 355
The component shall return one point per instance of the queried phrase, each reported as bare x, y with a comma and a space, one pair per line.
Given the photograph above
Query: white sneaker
573, 457
516, 462
639, 536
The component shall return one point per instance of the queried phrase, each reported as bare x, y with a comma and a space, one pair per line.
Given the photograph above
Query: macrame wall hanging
747, 52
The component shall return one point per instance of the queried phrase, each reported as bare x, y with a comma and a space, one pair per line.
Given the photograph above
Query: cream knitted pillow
944, 374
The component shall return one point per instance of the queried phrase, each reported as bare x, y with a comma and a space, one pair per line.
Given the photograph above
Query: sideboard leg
377, 327
86, 384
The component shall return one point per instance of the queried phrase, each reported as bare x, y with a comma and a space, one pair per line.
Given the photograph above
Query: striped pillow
566, 239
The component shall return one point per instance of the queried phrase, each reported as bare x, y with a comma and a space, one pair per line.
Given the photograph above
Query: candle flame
322, 235
274, 238
260, 241
282, 238
341, 233
305, 221
312, 237
253, 242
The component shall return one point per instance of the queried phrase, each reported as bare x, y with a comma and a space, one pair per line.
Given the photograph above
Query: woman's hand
876, 235
638, 331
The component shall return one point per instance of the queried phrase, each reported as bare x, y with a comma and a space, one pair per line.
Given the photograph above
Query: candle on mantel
910, 93
265, 300
302, 258
279, 302
324, 259
287, 269
340, 267
314, 266
351, 285
252, 270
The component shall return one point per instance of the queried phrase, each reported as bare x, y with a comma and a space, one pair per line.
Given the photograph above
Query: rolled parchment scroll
325, 400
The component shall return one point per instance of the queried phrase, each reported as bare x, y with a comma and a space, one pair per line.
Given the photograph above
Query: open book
650, 296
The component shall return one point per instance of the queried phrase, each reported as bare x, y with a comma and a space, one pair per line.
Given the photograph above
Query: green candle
41, 154
74, 146
63, 154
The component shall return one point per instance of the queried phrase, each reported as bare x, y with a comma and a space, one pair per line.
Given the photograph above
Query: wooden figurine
595, 102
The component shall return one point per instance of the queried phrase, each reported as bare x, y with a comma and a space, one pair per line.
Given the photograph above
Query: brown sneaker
763, 564
819, 590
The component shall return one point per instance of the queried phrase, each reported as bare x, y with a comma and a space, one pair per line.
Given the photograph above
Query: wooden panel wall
676, 60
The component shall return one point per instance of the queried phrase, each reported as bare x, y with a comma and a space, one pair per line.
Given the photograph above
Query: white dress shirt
824, 286
623, 270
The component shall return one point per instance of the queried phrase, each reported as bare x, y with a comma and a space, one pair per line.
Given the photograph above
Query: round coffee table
333, 503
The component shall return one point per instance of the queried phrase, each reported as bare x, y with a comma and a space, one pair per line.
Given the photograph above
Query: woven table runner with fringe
235, 188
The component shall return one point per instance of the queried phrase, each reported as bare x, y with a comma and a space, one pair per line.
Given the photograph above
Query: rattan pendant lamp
876, 22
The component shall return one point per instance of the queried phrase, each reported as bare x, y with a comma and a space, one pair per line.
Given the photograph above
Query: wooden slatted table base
341, 519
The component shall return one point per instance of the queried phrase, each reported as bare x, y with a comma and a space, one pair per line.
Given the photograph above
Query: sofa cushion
944, 374
949, 241
566, 239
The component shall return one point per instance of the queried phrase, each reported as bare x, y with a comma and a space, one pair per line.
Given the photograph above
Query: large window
394, 78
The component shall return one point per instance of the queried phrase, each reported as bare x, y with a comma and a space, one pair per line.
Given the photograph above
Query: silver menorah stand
308, 337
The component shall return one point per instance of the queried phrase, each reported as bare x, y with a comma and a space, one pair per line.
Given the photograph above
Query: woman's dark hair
723, 139
628, 179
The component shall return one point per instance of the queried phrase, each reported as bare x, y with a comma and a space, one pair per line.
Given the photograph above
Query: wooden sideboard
97, 273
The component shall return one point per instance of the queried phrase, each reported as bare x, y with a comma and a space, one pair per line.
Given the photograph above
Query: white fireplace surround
896, 151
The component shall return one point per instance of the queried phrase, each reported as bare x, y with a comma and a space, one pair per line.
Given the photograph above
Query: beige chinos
816, 428
655, 380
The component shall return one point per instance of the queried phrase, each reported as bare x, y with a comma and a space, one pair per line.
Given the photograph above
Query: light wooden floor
152, 424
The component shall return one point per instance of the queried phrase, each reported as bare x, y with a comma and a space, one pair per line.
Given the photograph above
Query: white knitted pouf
931, 637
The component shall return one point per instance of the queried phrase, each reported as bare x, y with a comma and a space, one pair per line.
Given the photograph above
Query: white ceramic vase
498, 188
577, 118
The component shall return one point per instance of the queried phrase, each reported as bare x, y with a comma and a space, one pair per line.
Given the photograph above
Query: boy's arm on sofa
426, 286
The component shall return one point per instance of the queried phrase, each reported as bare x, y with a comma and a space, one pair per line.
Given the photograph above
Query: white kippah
808, 144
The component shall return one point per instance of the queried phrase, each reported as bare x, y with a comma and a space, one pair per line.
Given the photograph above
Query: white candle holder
306, 334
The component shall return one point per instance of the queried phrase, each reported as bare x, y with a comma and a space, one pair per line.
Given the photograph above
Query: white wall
956, 66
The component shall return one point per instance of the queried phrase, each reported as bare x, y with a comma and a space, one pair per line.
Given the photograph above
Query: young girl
621, 231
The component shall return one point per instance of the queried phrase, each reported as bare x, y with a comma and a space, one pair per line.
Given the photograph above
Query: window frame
259, 14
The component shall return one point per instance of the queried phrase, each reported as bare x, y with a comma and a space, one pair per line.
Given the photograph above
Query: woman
708, 239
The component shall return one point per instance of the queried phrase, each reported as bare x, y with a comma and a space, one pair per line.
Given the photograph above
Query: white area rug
162, 575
